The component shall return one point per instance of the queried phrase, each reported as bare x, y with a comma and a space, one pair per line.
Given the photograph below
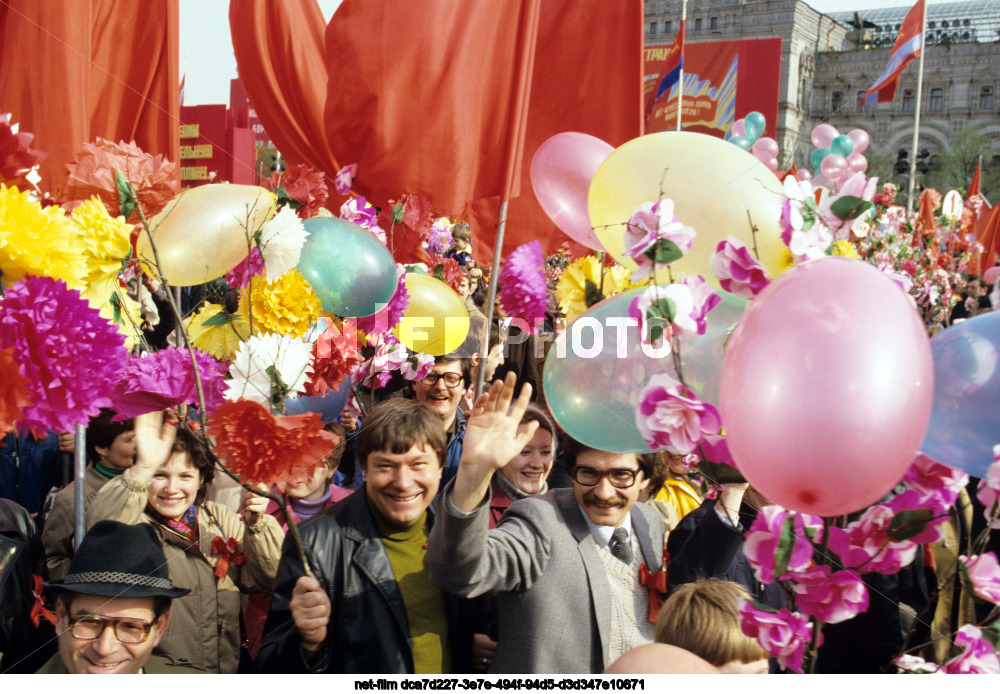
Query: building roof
957, 22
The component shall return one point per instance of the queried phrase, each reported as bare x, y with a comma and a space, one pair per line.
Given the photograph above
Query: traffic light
922, 160
902, 165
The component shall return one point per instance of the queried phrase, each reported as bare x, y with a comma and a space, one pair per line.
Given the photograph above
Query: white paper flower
251, 376
281, 241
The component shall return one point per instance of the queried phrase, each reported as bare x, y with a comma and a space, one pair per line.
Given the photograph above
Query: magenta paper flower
665, 311
869, 533
386, 319
737, 270
984, 573
901, 278
438, 241
830, 597
251, 266
979, 658
704, 300
345, 178
931, 478
670, 416
416, 366
655, 236
523, 291
164, 379
761, 544
783, 634
70, 356
989, 489
713, 448
358, 211
914, 665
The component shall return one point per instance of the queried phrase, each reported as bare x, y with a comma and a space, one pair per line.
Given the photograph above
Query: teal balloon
744, 143
842, 145
352, 273
597, 368
754, 124
817, 157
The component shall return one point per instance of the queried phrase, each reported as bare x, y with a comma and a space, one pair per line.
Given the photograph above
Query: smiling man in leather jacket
367, 604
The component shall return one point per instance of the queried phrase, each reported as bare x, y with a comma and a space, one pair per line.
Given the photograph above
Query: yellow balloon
435, 322
714, 185
202, 233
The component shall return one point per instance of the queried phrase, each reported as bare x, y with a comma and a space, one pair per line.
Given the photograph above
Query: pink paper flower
523, 292
931, 478
653, 310
761, 544
989, 489
915, 665
713, 447
416, 366
705, 299
670, 416
869, 533
386, 319
652, 224
783, 634
251, 266
358, 211
979, 658
901, 278
738, 271
830, 597
345, 178
164, 379
984, 572
70, 356
438, 241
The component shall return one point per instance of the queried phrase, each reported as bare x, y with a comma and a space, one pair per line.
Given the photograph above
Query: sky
206, 51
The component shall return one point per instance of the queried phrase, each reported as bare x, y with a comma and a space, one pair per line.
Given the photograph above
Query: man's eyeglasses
451, 379
620, 477
126, 630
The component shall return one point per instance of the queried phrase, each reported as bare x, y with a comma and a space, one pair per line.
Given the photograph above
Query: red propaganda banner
716, 90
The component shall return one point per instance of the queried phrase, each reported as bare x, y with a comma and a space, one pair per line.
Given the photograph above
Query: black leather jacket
368, 631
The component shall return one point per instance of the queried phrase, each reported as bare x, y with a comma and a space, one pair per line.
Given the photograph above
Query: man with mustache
566, 567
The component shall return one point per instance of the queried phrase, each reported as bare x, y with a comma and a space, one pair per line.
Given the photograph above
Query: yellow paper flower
124, 311
104, 245
215, 333
845, 248
37, 241
286, 306
571, 291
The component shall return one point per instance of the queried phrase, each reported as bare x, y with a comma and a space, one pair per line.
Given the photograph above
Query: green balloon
754, 124
842, 145
352, 273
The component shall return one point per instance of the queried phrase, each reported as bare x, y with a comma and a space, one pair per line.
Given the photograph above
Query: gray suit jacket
542, 564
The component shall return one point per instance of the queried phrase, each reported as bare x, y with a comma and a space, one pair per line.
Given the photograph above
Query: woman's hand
154, 441
254, 506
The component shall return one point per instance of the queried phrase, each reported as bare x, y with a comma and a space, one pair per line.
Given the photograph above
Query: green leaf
279, 389
720, 473
397, 213
126, 194
662, 308
666, 251
991, 632
219, 319
116, 308
809, 214
591, 293
786, 545
765, 608
909, 523
849, 207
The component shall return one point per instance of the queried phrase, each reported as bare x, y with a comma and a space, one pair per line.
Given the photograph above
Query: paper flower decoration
447, 270
286, 306
16, 157
439, 239
251, 266
260, 448
359, 211
69, 355
37, 241
579, 285
268, 368
14, 393
345, 178
104, 242
304, 185
670, 416
386, 319
92, 172
125, 313
281, 242
738, 271
654, 235
335, 353
164, 379
215, 332
523, 292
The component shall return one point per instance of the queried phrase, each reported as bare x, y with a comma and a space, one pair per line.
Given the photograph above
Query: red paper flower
14, 393
92, 172
523, 292
251, 266
335, 353
16, 157
304, 185
447, 270
70, 356
164, 379
260, 448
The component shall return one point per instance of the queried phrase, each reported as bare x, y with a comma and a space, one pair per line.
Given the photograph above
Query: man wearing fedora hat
114, 604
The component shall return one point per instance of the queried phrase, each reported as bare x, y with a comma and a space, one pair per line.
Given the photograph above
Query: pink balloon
823, 134
827, 386
804, 174
860, 139
992, 275
561, 171
821, 180
738, 128
765, 148
832, 166
857, 163
772, 164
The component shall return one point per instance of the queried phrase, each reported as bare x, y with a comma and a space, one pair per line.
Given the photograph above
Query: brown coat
204, 627
58, 534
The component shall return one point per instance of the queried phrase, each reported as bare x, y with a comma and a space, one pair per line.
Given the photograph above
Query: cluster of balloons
837, 157
746, 134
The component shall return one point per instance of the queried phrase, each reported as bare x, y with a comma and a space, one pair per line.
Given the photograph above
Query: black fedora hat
116, 560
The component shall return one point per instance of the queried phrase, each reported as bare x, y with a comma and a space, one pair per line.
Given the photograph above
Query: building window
937, 99
837, 101
930, 25
713, 23
986, 99
668, 26
697, 24
944, 24
859, 104
909, 101
653, 27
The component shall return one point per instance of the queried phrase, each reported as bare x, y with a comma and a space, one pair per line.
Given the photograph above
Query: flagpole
680, 79
521, 97
916, 115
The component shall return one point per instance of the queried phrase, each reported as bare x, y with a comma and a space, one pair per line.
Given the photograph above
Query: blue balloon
328, 406
754, 124
842, 145
744, 143
817, 157
965, 418
352, 273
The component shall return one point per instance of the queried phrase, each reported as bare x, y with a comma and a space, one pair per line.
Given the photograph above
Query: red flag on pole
908, 45
974, 185
987, 234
